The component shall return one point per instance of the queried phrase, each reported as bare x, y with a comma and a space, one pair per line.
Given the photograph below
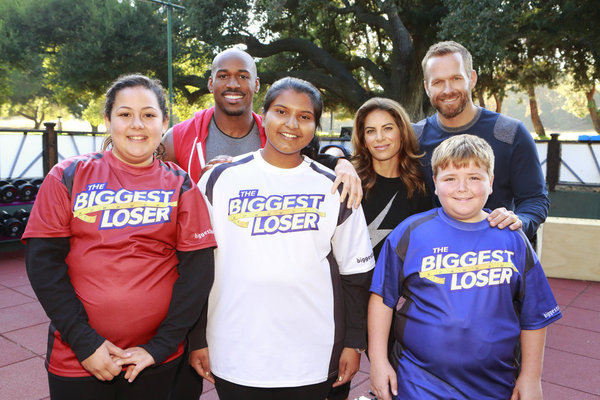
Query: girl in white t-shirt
287, 313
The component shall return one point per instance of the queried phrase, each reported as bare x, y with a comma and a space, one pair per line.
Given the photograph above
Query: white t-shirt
274, 314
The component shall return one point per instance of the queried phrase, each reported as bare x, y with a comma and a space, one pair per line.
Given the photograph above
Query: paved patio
571, 365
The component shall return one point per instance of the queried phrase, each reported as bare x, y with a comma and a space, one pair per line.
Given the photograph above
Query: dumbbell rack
10, 208
16, 204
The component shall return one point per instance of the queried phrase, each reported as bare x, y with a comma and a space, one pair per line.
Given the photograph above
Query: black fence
50, 154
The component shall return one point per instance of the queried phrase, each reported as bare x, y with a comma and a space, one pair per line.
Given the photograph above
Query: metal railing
35, 152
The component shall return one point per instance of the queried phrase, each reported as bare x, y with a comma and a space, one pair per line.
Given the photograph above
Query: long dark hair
129, 81
409, 166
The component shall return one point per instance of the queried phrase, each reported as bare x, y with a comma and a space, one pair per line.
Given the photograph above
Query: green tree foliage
511, 44
531, 43
81, 46
353, 50
485, 27
579, 46
24, 94
94, 112
89, 43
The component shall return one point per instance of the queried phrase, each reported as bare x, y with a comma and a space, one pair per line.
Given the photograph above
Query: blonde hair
460, 150
408, 155
448, 47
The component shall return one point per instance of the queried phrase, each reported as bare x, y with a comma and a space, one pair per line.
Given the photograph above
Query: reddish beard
450, 110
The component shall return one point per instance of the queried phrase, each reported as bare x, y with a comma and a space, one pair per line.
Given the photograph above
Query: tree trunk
498, 99
593, 109
414, 99
94, 128
42, 117
481, 98
535, 115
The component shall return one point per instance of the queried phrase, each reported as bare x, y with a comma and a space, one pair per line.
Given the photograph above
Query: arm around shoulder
346, 174
167, 142
528, 184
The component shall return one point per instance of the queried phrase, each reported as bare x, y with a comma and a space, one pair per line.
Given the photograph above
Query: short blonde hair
448, 47
460, 150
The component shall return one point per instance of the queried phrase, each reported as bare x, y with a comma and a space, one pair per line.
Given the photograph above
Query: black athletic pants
187, 384
231, 391
340, 392
150, 384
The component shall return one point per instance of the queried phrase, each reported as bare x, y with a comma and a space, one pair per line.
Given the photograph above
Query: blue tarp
589, 138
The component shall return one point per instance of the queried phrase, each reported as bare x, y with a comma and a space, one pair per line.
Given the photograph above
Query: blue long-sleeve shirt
518, 179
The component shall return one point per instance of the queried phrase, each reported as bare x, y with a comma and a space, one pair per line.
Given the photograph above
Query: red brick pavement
571, 365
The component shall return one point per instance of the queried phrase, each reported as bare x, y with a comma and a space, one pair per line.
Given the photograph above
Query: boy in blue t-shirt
473, 294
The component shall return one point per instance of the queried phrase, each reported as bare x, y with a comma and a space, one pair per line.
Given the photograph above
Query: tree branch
399, 34
321, 80
25, 115
314, 53
378, 74
402, 46
362, 15
196, 81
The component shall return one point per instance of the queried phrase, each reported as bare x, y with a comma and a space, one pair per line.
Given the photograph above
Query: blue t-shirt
470, 289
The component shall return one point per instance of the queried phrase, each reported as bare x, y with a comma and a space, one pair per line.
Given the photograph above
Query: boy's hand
527, 389
501, 217
383, 377
346, 174
349, 365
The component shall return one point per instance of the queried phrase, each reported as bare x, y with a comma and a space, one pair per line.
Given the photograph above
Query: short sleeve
352, 246
51, 214
194, 230
386, 277
538, 305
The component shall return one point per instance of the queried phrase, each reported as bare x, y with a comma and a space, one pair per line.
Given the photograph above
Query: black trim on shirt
190, 294
217, 171
47, 272
356, 298
327, 160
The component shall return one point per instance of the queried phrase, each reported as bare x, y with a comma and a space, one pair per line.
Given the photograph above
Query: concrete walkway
571, 365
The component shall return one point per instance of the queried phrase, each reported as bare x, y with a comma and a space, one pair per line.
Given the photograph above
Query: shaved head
231, 54
233, 82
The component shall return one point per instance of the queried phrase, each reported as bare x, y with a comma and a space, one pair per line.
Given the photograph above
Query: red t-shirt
125, 224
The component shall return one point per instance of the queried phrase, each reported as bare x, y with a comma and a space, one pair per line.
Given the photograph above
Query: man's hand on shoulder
501, 218
346, 174
216, 161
